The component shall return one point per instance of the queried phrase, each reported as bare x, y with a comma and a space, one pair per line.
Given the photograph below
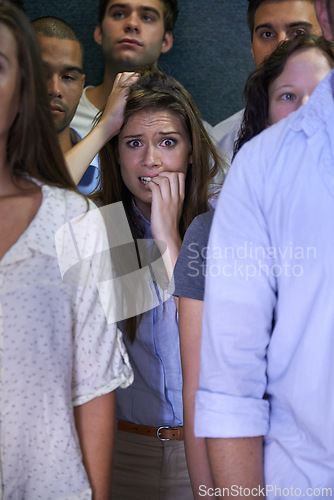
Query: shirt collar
319, 109
143, 221
36, 238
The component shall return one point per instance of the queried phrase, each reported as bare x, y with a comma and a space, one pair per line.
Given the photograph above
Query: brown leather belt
163, 433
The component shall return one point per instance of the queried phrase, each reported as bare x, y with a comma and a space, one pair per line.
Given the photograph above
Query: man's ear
252, 51
98, 34
167, 43
323, 18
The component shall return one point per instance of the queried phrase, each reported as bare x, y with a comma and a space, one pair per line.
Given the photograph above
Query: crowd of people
165, 314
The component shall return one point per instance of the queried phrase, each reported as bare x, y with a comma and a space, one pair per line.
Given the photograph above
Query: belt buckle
158, 433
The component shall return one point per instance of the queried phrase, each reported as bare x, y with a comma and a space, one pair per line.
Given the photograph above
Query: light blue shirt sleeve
238, 299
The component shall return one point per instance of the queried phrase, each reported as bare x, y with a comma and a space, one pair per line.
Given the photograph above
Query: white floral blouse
56, 351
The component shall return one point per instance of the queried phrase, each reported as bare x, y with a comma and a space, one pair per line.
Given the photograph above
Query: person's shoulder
208, 127
85, 106
226, 132
228, 127
78, 203
74, 204
85, 114
200, 227
203, 220
228, 124
84, 93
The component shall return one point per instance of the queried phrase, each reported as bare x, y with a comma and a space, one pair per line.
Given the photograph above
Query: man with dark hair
269, 22
266, 380
132, 35
62, 55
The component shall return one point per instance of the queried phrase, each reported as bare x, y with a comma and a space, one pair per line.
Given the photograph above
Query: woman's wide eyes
167, 142
134, 143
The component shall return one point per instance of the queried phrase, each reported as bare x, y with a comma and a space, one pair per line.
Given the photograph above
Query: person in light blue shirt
265, 395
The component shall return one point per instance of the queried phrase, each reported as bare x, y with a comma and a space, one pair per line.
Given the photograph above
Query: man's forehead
137, 4
285, 8
285, 11
61, 53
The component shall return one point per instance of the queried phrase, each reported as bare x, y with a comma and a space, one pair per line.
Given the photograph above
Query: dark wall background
211, 53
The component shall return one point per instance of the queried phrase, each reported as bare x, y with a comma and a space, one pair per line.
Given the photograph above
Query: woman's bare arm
81, 155
95, 423
190, 326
